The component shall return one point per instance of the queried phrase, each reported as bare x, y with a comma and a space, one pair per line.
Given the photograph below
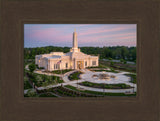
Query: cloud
107, 37
104, 30
88, 34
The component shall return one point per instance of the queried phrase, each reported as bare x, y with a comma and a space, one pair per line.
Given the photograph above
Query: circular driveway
120, 78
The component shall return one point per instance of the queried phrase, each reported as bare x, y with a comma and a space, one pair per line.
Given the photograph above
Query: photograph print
80, 60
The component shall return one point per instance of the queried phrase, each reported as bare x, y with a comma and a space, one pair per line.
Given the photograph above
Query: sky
88, 35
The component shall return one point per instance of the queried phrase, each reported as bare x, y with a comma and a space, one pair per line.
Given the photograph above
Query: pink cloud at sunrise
39, 35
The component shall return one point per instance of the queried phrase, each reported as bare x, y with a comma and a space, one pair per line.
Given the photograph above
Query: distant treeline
116, 52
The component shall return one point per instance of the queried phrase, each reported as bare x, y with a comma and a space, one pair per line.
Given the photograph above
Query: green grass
43, 80
100, 66
47, 95
119, 66
40, 95
106, 71
71, 87
133, 76
106, 86
99, 93
27, 85
74, 76
26, 82
109, 94
61, 71
72, 93
59, 81
64, 93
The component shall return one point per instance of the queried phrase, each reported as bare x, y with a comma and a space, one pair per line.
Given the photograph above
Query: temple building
74, 59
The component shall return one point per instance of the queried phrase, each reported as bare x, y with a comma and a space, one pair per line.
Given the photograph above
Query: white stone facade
74, 59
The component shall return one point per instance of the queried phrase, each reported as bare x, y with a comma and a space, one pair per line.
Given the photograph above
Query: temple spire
75, 43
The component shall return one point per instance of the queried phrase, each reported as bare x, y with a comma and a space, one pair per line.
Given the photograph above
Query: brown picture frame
144, 13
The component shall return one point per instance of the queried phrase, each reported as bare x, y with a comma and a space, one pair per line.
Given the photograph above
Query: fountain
103, 76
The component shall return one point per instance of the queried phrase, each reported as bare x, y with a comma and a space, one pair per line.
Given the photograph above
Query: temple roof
78, 55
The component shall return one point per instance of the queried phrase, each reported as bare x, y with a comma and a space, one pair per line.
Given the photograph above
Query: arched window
85, 63
66, 65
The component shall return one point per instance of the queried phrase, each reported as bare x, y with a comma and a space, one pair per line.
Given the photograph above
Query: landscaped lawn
106, 86
65, 92
61, 71
107, 71
74, 76
43, 80
100, 66
119, 66
47, 95
27, 85
99, 93
133, 76
71, 87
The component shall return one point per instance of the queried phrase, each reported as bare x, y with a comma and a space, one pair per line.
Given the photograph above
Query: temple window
66, 65
86, 63
93, 63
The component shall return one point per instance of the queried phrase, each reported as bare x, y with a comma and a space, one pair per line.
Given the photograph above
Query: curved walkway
46, 73
89, 73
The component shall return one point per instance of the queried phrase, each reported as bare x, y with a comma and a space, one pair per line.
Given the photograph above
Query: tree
116, 52
31, 93
111, 63
124, 52
125, 62
39, 78
32, 67
121, 60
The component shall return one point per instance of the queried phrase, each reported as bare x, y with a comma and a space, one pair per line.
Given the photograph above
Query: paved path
121, 78
104, 90
87, 77
27, 67
46, 73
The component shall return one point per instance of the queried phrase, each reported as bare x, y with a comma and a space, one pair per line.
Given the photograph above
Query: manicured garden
99, 93
118, 66
42, 79
74, 76
100, 66
32, 93
26, 83
70, 91
133, 77
112, 70
105, 86
61, 71
65, 92
47, 95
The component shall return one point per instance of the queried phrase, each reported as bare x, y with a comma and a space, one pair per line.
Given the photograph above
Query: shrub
31, 93
111, 63
110, 58
32, 67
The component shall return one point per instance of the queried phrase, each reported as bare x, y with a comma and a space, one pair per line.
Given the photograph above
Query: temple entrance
80, 65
